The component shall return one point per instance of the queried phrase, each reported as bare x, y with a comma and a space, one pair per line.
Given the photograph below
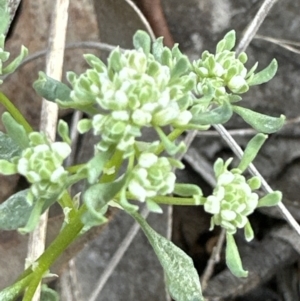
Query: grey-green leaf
251, 150
95, 165
182, 279
142, 40
96, 198
15, 211
12, 66
15, 130
233, 259
265, 75
4, 16
180, 68
48, 294
51, 89
8, 147
216, 116
260, 122
271, 199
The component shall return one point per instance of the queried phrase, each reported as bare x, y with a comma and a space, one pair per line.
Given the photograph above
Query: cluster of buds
223, 72
152, 176
41, 164
233, 198
135, 90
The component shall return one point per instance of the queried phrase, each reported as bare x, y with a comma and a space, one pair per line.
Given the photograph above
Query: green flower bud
151, 176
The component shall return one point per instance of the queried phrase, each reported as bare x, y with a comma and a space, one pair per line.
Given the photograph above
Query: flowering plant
151, 86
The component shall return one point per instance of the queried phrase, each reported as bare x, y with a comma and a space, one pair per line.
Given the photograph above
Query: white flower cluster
41, 164
151, 176
222, 72
133, 91
232, 199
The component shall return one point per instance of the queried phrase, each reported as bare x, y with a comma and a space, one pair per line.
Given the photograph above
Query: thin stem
15, 113
214, 258
67, 235
254, 25
172, 137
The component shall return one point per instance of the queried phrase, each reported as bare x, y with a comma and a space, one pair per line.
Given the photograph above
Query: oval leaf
95, 165
260, 122
142, 40
233, 259
15, 211
51, 89
96, 198
251, 150
216, 116
15, 130
271, 199
4, 16
182, 279
8, 147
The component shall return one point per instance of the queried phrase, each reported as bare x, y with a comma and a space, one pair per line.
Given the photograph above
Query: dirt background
196, 25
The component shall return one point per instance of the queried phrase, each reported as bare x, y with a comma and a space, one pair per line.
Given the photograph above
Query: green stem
67, 235
15, 113
172, 137
116, 162
30, 291
74, 168
168, 200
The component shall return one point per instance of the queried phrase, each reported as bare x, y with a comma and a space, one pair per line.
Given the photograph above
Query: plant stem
172, 136
67, 235
15, 113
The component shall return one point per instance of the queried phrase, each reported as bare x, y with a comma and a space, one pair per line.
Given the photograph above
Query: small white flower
147, 159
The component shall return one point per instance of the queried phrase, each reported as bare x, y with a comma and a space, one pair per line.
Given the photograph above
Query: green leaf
265, 75
48, 294
142, 40
15, 130
95, 166
51, 89
180, 68
233, 259
182, 279
252, 150
7, 168
94, 62
12, 66
248, 231
260, 122
8, 147
96, 198
186, 190
114, 62
157, 49
15, 211
153, 206
4, 16
63, 131
227, 43
271, 199
33, 220
216, 116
